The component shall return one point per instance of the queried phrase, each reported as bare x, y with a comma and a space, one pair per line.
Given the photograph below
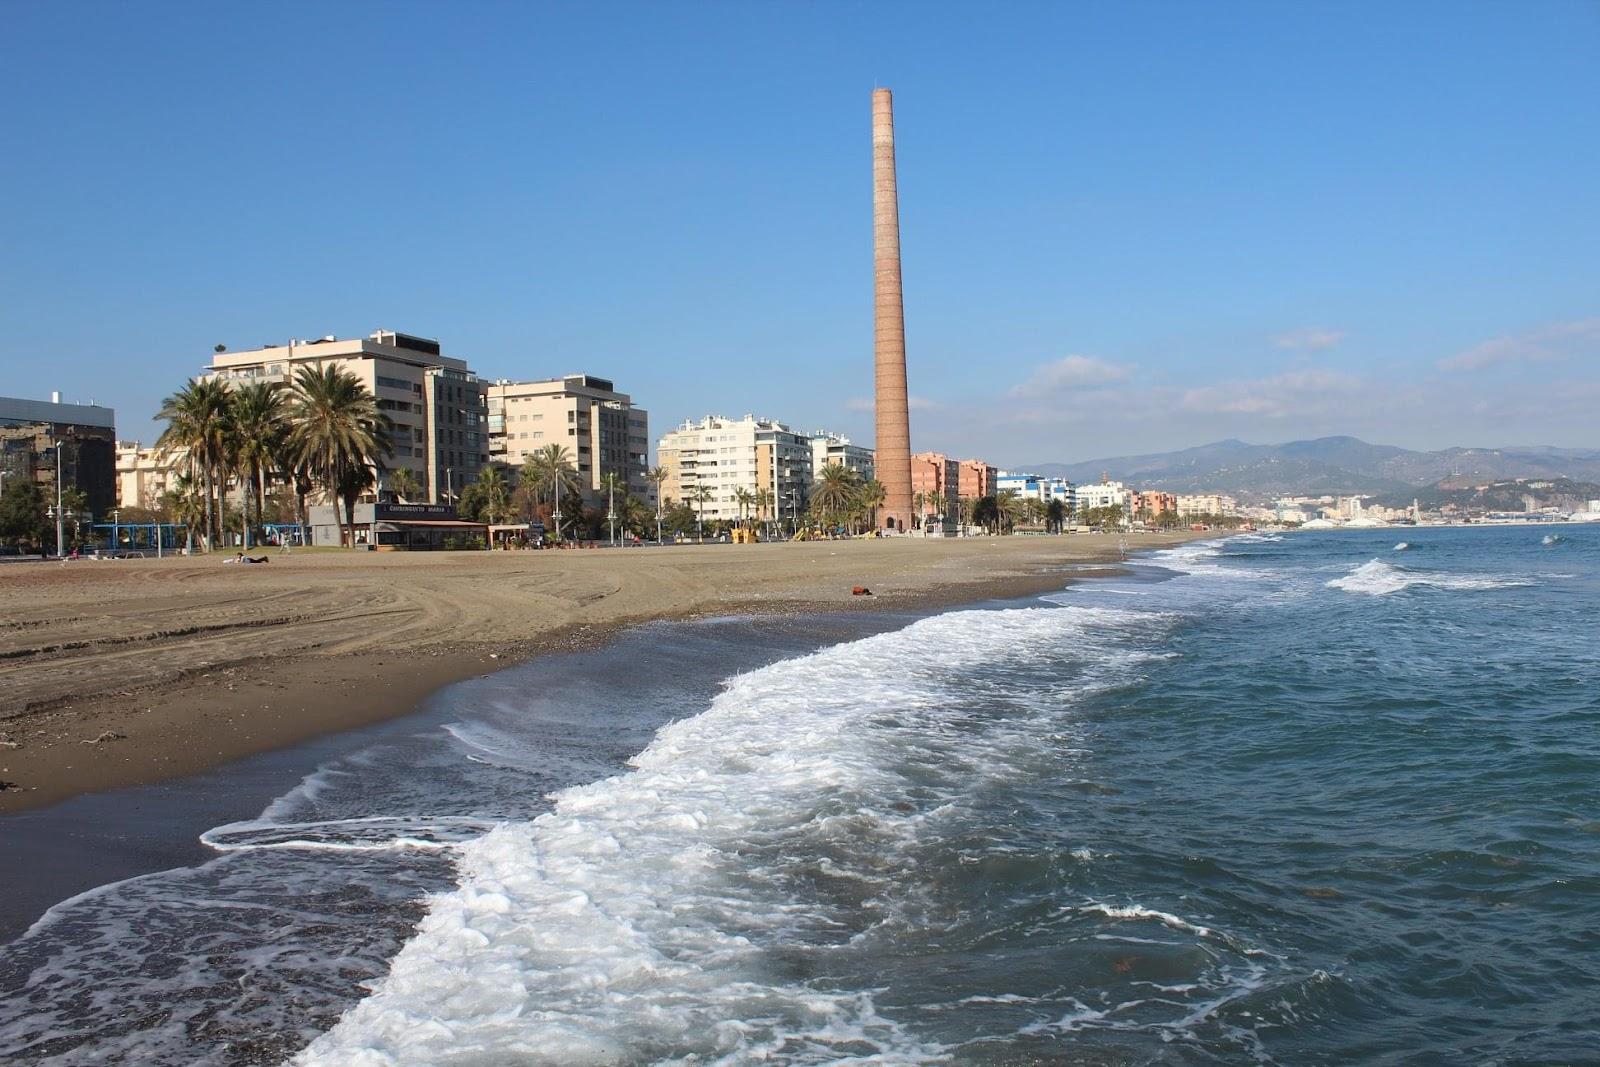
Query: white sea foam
1138, 911
1377, 578
1402, 546
637, 920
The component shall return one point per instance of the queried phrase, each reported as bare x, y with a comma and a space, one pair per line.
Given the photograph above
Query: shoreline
136, 672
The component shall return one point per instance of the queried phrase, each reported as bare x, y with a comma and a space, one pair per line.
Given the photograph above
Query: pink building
934, 472
976, 479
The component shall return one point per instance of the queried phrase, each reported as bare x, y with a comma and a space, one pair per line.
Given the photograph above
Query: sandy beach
125, 672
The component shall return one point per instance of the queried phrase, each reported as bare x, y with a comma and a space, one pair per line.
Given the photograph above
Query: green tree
699, 496
1011, 508
495, 493
834, 494
658, 477
869, 498
986, 513
549, 472
24, 515
257, 427
186, 504
1055, 516
336, 428
198, 419
403, 483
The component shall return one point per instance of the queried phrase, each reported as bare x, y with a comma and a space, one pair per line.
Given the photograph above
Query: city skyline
1125, 231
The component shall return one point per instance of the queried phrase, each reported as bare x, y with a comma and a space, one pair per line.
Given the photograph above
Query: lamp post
61, 519
611, 508
115, 515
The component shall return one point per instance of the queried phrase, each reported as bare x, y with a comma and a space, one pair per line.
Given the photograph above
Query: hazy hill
1327, 465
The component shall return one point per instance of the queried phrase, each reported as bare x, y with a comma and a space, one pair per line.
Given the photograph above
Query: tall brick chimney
891, 407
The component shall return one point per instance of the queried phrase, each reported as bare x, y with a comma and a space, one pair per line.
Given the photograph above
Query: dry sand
123, 672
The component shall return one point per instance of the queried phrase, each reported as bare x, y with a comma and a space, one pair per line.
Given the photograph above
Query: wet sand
127, 672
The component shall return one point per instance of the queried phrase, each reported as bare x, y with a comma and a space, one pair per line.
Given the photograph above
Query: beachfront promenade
119, 672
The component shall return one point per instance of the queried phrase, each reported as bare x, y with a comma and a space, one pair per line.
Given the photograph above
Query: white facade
829, 448
1206, 504
1037, 487
1108, 495
723, 456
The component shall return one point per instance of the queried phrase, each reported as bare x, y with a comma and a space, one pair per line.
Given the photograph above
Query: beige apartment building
144, 474
438, 406
601, 429
726, 455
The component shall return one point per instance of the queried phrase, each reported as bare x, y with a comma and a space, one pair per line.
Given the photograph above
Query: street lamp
115, 515
61, 522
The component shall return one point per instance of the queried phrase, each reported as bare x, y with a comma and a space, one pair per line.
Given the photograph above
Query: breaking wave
1377, 578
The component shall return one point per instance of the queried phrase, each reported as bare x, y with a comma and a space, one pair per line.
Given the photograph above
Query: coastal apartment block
1040, 488
722, 456
976, 480
145, 474
835, 448
601, 429
41, 440
934, 474
438, 406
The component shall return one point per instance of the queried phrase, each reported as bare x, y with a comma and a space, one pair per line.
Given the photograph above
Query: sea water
1310, 798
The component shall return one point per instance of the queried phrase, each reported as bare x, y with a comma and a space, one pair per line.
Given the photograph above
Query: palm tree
764, 499
919, 504
197, 418
744, 498
833, 494
403, 483
1011, 507
186, 505
658, 477
494, 492
938, 503
257, 411
336, 428
871, 499
551, 466
698, 495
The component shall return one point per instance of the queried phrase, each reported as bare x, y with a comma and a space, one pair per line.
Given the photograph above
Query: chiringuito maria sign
413, 511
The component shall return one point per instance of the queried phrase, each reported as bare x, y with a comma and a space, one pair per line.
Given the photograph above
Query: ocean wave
1377, 578
637, 919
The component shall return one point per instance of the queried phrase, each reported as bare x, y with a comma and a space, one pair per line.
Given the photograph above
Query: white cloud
1071, 372
1298, 393
1310, 339
1555, 341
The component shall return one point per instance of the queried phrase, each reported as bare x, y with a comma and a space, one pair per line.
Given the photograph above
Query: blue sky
1125, 227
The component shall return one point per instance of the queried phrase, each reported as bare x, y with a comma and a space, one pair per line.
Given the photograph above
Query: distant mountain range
1327, 465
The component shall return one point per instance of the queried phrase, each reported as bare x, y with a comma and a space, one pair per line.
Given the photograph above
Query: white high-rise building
722, 456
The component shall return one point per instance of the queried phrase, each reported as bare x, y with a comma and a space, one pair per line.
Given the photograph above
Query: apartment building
1207, 504
41, 441
1040, 488
144, 474
725, 455
977, 479
437, 404
1104, 494
829, 448
1153, 503
931, 473
601, 429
